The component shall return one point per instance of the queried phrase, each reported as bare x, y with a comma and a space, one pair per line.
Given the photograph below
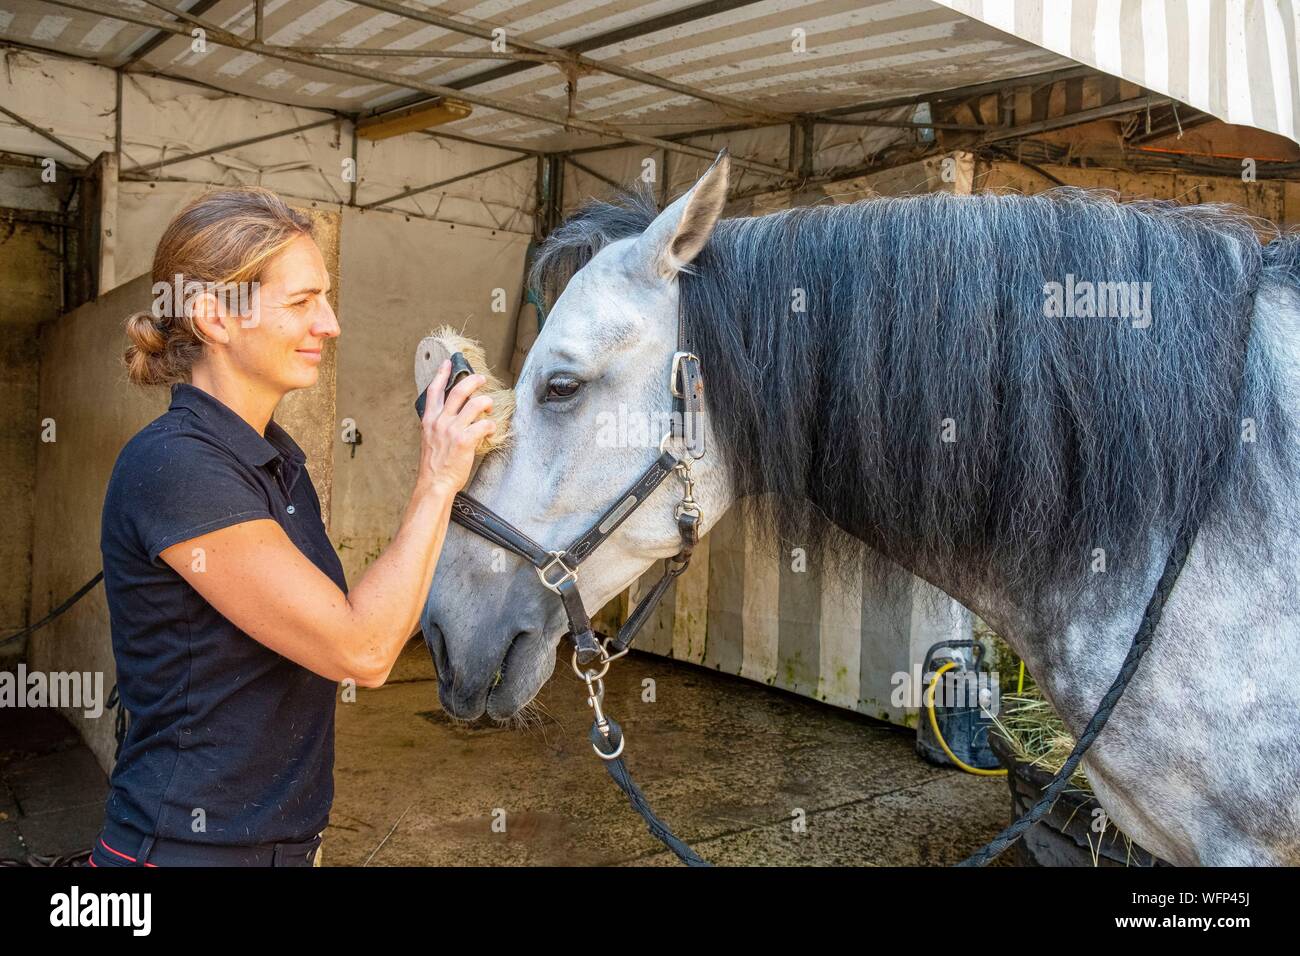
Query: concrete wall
30, 293
404, 277
85, 398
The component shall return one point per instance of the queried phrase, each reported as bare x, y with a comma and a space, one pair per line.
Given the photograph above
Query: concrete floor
723, 761
52, 789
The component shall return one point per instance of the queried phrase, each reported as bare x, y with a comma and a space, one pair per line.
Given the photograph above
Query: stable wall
85, 399
403, 278
31, 235
1275, 200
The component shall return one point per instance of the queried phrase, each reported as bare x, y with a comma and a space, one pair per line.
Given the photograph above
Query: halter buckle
570, 574
678, 358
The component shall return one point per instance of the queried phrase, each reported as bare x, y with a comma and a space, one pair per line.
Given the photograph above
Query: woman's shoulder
172, 482
164, 449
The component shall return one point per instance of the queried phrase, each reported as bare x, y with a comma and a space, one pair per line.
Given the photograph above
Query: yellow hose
934, 725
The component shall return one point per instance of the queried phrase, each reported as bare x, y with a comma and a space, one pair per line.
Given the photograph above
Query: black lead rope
619, 773
1141, 641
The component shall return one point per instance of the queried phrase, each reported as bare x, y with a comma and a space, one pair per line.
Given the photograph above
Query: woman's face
280, 343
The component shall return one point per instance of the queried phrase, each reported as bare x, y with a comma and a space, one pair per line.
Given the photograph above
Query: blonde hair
223, 237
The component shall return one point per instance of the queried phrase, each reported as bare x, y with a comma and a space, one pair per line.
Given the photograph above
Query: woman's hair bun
145, 332
146, 350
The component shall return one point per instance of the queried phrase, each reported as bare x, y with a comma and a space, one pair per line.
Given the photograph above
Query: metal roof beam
440, 134
160, 37
146, 167
630, 32
527, 59
222, 37
484, 31
674, 137
963, 92
618, 187
1121, 108
442, 182
46, 134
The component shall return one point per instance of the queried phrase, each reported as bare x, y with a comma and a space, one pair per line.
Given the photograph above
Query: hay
441, 344
1037, 735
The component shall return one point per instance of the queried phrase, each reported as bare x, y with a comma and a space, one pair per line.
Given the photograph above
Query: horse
1019, 399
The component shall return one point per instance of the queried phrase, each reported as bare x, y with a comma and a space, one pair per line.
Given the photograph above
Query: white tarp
1234, 59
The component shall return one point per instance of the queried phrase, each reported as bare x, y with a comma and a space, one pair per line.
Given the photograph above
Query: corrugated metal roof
855, 51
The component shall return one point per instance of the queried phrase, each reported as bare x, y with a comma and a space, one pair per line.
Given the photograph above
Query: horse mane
926, 313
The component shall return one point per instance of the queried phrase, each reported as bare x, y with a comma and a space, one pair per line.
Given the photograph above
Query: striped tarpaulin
850, 640
1234, 59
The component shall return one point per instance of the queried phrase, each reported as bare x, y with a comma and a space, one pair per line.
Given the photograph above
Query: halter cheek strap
558, 570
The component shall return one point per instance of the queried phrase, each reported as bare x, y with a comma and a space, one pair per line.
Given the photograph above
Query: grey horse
1018, 399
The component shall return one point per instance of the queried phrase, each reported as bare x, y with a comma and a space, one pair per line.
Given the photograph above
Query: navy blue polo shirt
228, 742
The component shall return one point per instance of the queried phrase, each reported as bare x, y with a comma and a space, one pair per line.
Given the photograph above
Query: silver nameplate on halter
615, 516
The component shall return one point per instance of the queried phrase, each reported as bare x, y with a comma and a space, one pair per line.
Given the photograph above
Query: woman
232, 622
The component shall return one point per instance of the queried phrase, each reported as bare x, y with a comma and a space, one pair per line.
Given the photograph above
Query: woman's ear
209, 318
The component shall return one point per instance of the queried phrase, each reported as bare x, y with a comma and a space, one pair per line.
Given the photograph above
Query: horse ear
679, 232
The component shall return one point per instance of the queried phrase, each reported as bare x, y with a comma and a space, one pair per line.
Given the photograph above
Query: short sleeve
172, 487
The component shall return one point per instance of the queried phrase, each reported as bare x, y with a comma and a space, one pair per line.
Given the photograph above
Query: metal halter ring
605, 655
593, 675
622, 740
596, 696
570, 574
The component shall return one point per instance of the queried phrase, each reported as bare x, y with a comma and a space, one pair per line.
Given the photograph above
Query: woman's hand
451, 432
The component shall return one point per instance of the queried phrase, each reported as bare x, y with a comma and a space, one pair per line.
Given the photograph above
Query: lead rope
606, 735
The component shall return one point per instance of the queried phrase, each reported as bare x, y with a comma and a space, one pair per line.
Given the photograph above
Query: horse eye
562, 387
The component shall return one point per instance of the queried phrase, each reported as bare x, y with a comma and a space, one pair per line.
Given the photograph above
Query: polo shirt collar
241, 437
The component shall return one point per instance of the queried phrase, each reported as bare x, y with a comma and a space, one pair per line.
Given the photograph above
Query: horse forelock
890, 365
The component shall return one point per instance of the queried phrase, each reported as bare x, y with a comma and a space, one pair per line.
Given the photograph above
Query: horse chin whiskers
527, 717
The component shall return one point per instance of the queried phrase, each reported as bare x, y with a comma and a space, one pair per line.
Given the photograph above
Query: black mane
1072, 434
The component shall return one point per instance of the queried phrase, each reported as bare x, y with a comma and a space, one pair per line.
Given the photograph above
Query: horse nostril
437, 645
506, 658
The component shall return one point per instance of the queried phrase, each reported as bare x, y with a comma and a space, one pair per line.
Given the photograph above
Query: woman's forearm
256, 577
386, 603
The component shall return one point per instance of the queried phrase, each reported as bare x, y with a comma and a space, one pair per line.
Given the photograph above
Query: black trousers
114, 850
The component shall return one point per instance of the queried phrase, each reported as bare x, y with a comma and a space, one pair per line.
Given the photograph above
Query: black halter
558, 570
